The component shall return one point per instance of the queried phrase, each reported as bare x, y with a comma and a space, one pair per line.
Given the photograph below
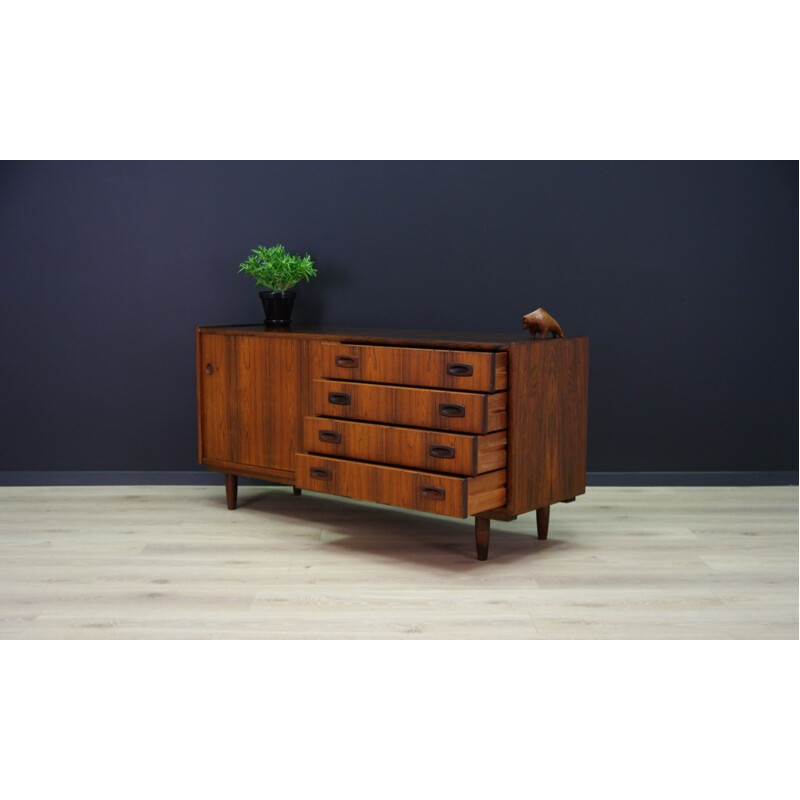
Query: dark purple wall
684, 275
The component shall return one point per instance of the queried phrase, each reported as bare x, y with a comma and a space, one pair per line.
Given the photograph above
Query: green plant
275, 269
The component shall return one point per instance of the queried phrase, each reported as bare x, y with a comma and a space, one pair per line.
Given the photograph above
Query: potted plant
277, 271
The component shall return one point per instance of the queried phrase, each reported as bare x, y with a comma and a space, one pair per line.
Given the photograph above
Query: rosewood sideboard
490, 426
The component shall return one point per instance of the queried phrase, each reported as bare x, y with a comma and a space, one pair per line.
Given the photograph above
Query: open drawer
421, 491
435, 451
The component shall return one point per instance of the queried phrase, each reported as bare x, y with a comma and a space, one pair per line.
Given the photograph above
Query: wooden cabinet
451, 424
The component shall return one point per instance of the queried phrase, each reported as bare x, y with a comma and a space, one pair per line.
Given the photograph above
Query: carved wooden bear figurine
540, 321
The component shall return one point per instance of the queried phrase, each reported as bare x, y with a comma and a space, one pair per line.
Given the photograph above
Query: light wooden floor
173, 562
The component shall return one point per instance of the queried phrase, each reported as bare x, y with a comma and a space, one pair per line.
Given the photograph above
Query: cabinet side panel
548, 402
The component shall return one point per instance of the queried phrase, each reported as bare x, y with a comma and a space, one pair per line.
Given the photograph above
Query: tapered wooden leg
542, 521
482, 537
231, 487
297, 492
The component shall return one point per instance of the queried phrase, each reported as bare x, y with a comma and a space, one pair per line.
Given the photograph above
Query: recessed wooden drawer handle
452, 410
339, 398
432, 492
209, 369
459, 370
442, 451
321, 474
350, 362
332, 437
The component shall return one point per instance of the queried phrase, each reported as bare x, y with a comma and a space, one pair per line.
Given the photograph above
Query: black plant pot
277, 308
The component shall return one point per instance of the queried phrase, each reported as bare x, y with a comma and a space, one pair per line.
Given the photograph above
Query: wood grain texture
249, 391
461, 370
434, 451
216, 396
245, 470
421, 491
446, 340
542, 522
486, 491
199, 366
548, 404
492, 451
255, 389
231, 489
482, 532
541, 322
171, 562
421, 408
311, 354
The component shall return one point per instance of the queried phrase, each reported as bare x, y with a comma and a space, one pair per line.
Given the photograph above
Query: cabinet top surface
475, 341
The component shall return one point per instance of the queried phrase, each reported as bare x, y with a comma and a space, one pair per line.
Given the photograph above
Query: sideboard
458, 424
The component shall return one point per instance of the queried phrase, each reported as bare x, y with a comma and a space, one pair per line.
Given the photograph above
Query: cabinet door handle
339, 398
332, 437
209, 369
432, 492
349, 362
442, 451
452, 410
459, 370
321, 474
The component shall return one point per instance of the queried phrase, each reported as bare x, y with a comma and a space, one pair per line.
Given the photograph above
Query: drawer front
410, 366
436, 451
421, 408
420, 491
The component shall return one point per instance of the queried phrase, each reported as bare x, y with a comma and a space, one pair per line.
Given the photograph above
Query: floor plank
174, 563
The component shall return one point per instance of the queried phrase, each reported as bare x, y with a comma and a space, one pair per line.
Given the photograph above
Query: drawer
411, 366
437, 451
465, 412
420, 491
